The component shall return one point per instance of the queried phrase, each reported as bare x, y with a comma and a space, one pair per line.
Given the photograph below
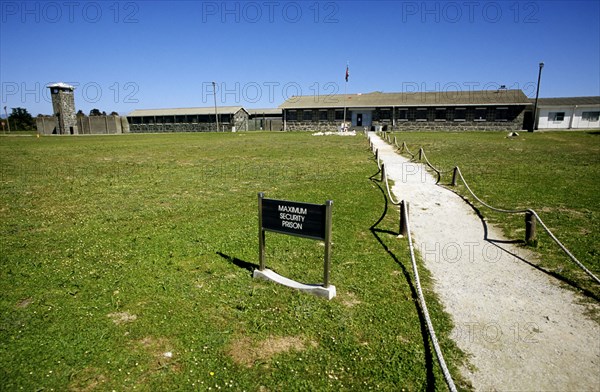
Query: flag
347, 73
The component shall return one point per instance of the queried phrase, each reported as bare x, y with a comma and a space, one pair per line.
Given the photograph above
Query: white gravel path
521, 330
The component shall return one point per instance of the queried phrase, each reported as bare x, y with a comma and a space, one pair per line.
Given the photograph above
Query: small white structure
569, 113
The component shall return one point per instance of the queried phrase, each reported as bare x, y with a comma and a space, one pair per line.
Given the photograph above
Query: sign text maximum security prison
298, 219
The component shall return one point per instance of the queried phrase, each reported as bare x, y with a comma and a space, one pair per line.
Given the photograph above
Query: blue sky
131, 55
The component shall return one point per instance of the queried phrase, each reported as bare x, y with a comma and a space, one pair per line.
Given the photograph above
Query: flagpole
345, 98
345, 101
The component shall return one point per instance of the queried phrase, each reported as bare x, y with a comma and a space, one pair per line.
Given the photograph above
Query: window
480, 114
339, 114
556, 116
307, 115
385, 114
421, 114
590, 116
460, 114
322, 115
291, 115
502, 114
402, 114
440, 114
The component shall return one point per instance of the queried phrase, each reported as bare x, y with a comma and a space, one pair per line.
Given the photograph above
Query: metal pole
537, 93
216, 113
261, 235
7, 119
344, 121
345, 98
328, 221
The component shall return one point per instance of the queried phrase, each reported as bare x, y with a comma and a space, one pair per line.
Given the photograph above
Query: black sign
298, 219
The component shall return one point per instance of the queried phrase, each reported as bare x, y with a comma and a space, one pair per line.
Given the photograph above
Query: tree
95, 112
21, 120
80, 113
114, 113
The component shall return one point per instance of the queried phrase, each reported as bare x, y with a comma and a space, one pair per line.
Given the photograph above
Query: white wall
579, 122
570, 111
545, 123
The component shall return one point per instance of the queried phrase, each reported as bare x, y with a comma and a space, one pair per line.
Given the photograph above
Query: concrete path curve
521, 330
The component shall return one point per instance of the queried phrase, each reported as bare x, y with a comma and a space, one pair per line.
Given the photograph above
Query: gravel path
521, 331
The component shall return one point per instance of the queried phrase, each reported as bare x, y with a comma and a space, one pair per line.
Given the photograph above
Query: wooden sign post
305, 220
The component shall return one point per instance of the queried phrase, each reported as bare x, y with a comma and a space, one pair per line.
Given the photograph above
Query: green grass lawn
555, 173
122, 267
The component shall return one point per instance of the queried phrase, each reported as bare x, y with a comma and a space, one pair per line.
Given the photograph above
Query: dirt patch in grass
24, 303
162, 352
86, 380
349, 299
122, 317
246, 352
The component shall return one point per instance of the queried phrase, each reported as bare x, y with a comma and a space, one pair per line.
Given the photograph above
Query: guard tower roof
61, 85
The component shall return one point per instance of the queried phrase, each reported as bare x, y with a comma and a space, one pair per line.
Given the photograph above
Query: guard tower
63, 104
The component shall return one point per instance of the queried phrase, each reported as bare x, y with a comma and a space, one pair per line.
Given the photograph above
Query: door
359, 119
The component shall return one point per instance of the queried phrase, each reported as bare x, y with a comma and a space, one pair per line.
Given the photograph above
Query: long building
229, 118
452, 110
569, 113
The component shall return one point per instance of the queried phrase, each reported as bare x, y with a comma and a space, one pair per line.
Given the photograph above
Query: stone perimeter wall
86, 125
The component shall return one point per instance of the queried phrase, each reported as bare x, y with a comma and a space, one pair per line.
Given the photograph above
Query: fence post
420, 153
403, 218
383, 172
377, 156
530, 226
261, 235
454, 175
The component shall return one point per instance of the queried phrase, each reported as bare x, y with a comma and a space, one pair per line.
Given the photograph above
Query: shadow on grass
239, 263
496, 242
424, 333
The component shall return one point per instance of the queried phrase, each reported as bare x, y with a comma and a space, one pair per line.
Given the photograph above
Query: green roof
257, 112
421, 99
185, 111
568, 101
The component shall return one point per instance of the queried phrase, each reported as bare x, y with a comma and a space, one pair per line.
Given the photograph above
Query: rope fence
436, 345
531, 217
405, 231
